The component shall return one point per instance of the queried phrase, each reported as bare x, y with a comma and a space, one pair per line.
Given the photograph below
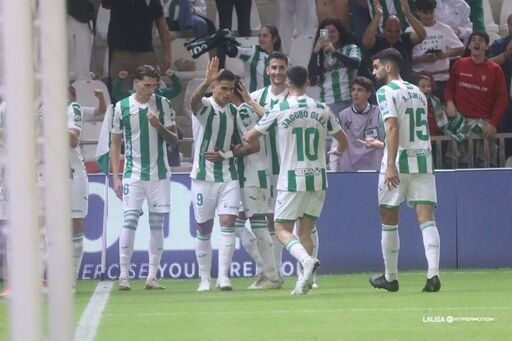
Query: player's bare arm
391, 177
251, 147
244, 91
168, 135
74, 137
115, 157
212, 73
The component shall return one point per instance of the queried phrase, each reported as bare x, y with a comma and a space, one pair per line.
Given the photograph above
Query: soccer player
214, 184
302, 126
406, 170
146, 122
267, 97
79, 183
256, 199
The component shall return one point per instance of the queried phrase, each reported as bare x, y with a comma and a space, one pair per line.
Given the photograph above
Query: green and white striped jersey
267, 99
336, 84
252, 169
145, 156
302, 127
255, 62
76, 160
214, 127
409, 105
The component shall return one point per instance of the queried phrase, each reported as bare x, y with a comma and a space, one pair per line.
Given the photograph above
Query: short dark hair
480, 34
425, 5
364, 82
226, 75
389, 55
147, 71
72, 90
278, 55
297, 75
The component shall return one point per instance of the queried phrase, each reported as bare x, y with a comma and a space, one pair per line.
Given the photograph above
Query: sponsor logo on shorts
308, 171
156, 204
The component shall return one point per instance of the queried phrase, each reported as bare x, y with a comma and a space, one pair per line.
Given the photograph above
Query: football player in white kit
302, 126
146, 122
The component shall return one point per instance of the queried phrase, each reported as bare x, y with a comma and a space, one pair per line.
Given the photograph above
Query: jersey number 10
307, 143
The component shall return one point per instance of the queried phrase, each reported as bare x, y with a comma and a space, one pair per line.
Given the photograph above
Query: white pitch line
313, 311
91, 317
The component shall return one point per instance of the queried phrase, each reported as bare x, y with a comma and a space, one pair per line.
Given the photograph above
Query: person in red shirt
476, 87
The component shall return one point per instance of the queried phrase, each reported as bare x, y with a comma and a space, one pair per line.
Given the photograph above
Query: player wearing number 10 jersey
406, 170
302, 126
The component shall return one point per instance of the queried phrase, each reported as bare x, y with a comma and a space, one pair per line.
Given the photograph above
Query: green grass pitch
472, 305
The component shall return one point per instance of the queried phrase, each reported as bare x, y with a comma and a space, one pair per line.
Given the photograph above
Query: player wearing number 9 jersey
406, 170
302, 126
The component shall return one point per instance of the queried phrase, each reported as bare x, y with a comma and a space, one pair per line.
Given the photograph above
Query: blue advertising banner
473, 213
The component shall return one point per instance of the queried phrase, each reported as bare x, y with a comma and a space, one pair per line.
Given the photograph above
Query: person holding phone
333, 63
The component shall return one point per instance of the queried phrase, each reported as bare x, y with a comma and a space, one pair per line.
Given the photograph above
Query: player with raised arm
146, 122
214, 174
302, 126
406, 171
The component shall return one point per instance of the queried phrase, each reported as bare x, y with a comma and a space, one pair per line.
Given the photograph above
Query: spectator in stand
119, 92
361, 122
295, 18
360, 17
500, 52
391, 7
255, 57
455, 13
243, 14
432, 57
333, 63
130, 36
403, 42
476, 88
477, 14
185, 15
80, 34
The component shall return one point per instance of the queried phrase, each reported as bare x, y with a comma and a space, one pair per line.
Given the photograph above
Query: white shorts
293, 205
79, 198
415, 188
208, 196
255, 201
157, 192
272, 186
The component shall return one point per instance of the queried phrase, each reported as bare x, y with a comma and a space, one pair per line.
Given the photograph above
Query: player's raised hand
212, 70
244, 91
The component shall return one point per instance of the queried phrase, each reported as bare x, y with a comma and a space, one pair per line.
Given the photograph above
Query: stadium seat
255, 19
300, 50
191, 86
492, 37
490, 25
100, 53
180, 54
102, 20
506, 11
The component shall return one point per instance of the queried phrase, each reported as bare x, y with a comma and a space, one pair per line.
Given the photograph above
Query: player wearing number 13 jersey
302, 127
406, 171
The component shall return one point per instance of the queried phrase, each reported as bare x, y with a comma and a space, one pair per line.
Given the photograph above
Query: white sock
390, 243
226, 249
126, 240
432, 246
265, 247
249, 242
203, 248
297, 251
156, 242
78, 251
278, 252
314, 236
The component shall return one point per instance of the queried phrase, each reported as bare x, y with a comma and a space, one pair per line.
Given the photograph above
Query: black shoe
433, 284
380, 282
